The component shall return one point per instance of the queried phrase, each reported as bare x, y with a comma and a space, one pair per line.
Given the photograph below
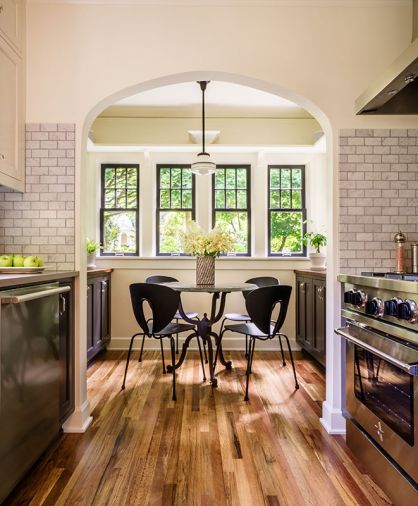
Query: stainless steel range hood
396, 90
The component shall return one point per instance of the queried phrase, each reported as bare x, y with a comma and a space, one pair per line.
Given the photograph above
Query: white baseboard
332, 419
229, 343
79, 421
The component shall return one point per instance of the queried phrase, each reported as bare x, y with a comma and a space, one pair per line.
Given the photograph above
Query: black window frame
286, 209
160, 209
105, 166
247, 210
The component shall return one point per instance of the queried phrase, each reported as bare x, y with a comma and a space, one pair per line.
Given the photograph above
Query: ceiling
222, 100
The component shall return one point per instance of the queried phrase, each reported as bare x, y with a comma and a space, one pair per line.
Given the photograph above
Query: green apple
31, 261
18, 260
40, 261
6, 260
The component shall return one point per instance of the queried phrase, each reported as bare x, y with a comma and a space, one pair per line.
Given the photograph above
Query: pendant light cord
203, 85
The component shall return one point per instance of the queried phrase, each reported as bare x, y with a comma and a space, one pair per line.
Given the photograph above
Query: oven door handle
411, 369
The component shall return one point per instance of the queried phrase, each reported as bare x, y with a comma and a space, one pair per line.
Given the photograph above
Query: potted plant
316, 241
92, 247
206, 247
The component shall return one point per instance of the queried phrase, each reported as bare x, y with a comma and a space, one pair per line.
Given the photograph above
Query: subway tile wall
41, 220
378, 173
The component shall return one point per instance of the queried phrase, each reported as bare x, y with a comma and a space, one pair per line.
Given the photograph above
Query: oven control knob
374, 307
408, 311
358, 298
391, 306
348, 297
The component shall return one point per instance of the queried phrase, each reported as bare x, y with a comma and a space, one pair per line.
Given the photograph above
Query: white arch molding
332, 418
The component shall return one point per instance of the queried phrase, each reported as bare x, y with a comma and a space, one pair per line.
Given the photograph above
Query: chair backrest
261, 302
160, 279
261, 281
163, 301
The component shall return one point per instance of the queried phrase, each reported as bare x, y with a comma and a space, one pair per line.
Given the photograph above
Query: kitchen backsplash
41, 220
378, 173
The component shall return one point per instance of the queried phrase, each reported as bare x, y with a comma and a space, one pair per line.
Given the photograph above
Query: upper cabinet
12, 94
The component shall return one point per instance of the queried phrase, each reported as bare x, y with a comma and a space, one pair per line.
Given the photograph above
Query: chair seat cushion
249, 329
178, 316
237, 317
172, 328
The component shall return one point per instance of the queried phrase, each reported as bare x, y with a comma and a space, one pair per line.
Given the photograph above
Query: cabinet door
319, 313
308, 288
11, 22
66, 347
105, 309
300, 310
90, 320
11, 124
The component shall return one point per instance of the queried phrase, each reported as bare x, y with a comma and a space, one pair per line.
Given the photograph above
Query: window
287, 213
231, 204
119, 212
175, 206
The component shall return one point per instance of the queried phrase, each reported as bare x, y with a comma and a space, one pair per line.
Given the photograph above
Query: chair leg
142, 349
162, 355
249, 365
246, 346
291, 359
127, 359
281, 349
177, 339
218, 345
201, 358
173, 364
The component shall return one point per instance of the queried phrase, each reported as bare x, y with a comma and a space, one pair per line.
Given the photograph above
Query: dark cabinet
310, 313
66, 351
98, 312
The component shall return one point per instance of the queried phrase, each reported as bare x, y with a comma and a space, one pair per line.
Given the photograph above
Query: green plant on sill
92, 246
317, 241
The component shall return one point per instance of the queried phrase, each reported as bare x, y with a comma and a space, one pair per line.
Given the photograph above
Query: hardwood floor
208, 448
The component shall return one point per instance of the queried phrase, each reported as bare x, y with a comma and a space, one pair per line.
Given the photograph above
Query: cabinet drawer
11, 23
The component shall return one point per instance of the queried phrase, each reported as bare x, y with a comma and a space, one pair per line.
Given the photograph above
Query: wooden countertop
14, 280
311, 273
97, 271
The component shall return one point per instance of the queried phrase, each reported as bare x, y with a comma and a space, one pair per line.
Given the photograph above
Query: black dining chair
163, 302
245, 318
167, 279
260, 304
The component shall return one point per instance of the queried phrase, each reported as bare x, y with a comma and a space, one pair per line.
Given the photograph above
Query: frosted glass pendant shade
202, 166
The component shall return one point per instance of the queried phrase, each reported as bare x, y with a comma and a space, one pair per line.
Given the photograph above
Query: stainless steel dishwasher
29, 378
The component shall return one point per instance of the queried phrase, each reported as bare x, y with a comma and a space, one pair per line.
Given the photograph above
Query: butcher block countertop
15, 280
311, 273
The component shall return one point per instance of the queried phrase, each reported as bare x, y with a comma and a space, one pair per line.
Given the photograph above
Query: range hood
396, 90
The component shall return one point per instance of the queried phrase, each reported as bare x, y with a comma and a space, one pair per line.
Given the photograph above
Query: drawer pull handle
1, 9
2, 156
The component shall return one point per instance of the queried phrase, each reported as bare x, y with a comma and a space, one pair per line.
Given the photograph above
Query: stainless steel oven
380, 329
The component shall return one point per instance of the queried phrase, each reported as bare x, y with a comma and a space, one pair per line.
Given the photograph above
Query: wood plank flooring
208, 448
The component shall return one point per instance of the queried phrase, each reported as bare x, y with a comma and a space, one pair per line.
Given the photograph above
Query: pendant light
202, 165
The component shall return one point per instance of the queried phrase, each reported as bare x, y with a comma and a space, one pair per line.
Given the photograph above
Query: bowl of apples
31, 264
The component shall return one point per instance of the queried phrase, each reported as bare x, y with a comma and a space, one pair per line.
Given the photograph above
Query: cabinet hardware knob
2, 156
1, 9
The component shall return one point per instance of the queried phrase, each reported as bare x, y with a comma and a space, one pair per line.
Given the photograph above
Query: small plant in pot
92, 248
316, 241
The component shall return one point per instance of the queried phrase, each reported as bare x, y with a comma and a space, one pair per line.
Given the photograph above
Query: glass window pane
110, 198
175, 198
274, 178
165, 198
121, 178
172, 223
296, 178
230, 178
119, 232
230, 199
132, 200
237, 224
242, 199
296, 199
274, 198
187, 199
286, 232
187, 178
121, 198
175, 178
285, 199
109, 178
164, 178
241, 178
219, 199
220, 178
286, 178
132, 177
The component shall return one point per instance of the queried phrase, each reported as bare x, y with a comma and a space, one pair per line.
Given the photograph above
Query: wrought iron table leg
186, 344
226, 363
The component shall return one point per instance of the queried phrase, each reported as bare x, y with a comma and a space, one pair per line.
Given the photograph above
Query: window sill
221, 259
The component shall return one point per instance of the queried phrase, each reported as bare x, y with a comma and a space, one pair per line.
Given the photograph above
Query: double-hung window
231, 205
175, 206
286, 210
119, 211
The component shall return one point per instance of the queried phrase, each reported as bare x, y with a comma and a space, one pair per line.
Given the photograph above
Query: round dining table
219, 292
